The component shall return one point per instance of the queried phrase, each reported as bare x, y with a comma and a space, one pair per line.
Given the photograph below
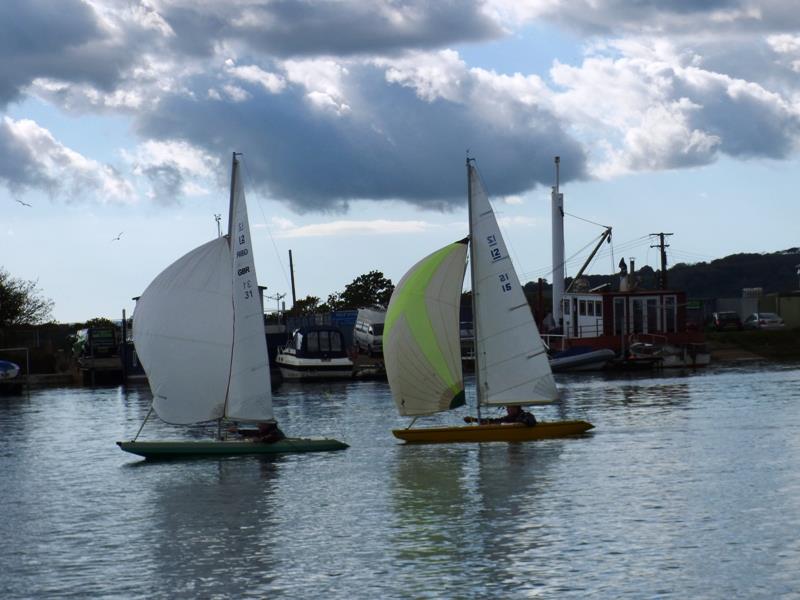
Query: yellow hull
506, 432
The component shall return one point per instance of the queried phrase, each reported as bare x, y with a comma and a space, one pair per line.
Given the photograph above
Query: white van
368, 331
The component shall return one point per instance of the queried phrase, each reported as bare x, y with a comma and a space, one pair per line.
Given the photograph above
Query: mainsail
199, 333
511, 359
249, 395
421, 342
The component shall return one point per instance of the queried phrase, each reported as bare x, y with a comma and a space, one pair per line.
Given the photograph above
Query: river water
689, 487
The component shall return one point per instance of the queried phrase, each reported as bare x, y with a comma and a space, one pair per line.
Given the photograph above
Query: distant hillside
721, 278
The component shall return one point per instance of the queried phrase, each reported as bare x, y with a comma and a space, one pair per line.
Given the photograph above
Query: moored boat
315, 353
581, 358
8, 370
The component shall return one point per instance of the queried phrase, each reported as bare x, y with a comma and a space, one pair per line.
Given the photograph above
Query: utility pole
218, 218
277, 298
662, 280
291, 272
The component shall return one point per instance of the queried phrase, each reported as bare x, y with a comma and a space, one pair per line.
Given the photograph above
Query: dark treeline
721, 278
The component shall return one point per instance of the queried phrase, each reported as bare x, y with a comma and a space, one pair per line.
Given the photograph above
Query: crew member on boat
268, 432
514, 414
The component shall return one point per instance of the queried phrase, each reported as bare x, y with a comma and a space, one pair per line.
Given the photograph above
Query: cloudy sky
118, 119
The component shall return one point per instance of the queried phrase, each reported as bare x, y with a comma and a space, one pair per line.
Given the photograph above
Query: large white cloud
41, 162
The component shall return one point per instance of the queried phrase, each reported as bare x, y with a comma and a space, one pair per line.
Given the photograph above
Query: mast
234, 175
557, 220
291, 272
478, 390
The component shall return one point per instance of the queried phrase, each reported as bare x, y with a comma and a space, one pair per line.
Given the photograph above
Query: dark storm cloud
286, 28
61, 40
405, 148
368, 123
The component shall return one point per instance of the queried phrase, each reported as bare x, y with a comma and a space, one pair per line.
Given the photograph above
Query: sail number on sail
247, 284
496, 254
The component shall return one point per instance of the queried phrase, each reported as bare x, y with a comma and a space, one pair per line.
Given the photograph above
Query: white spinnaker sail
421, 345
200, 335
250, 395
182, 330
509, 353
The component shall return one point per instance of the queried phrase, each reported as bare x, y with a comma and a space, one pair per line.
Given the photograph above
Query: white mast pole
557, 201
478, 390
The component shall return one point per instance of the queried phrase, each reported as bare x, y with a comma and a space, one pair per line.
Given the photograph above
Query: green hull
509, 432
189, 449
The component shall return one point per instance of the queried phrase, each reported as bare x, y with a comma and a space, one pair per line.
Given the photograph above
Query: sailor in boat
268, 432
514, 414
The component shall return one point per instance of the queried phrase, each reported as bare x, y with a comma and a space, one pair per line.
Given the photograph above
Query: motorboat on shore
581, 358
10, 380
316, 352
670, 355
8, 370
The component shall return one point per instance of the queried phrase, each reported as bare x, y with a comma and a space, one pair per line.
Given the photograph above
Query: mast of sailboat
557, 220
234, 166
478, 390
234, 175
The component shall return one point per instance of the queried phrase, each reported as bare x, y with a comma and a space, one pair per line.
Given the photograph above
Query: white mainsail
199, 333
249, 395
421, 344
511, 359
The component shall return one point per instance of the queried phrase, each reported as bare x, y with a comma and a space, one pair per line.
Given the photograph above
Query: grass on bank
781, 344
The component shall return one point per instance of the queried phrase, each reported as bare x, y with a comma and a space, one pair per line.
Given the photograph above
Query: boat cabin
317, 341
621, 313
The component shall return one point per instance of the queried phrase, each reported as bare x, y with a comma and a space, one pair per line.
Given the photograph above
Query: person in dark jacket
514, 414
268, 433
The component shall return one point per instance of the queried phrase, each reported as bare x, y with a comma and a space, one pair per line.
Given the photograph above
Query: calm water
689, 488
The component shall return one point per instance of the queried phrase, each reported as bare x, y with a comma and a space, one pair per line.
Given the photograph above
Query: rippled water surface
689, 487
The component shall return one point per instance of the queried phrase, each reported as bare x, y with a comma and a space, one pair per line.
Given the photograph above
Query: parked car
726, 319
763, 320
368, 330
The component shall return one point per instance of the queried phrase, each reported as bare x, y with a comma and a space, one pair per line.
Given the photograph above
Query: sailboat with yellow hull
422, 350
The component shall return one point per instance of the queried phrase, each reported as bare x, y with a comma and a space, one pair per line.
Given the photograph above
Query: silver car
763, 320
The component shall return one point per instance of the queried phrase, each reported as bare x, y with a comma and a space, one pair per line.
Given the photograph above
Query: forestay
421, 344
509, 353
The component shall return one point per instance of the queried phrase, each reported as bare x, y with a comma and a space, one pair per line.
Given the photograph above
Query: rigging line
690, 253
571, 258
587, 220
246, 172
624, 246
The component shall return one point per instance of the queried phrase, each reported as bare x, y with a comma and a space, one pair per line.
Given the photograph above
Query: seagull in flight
119, 236
21, 202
